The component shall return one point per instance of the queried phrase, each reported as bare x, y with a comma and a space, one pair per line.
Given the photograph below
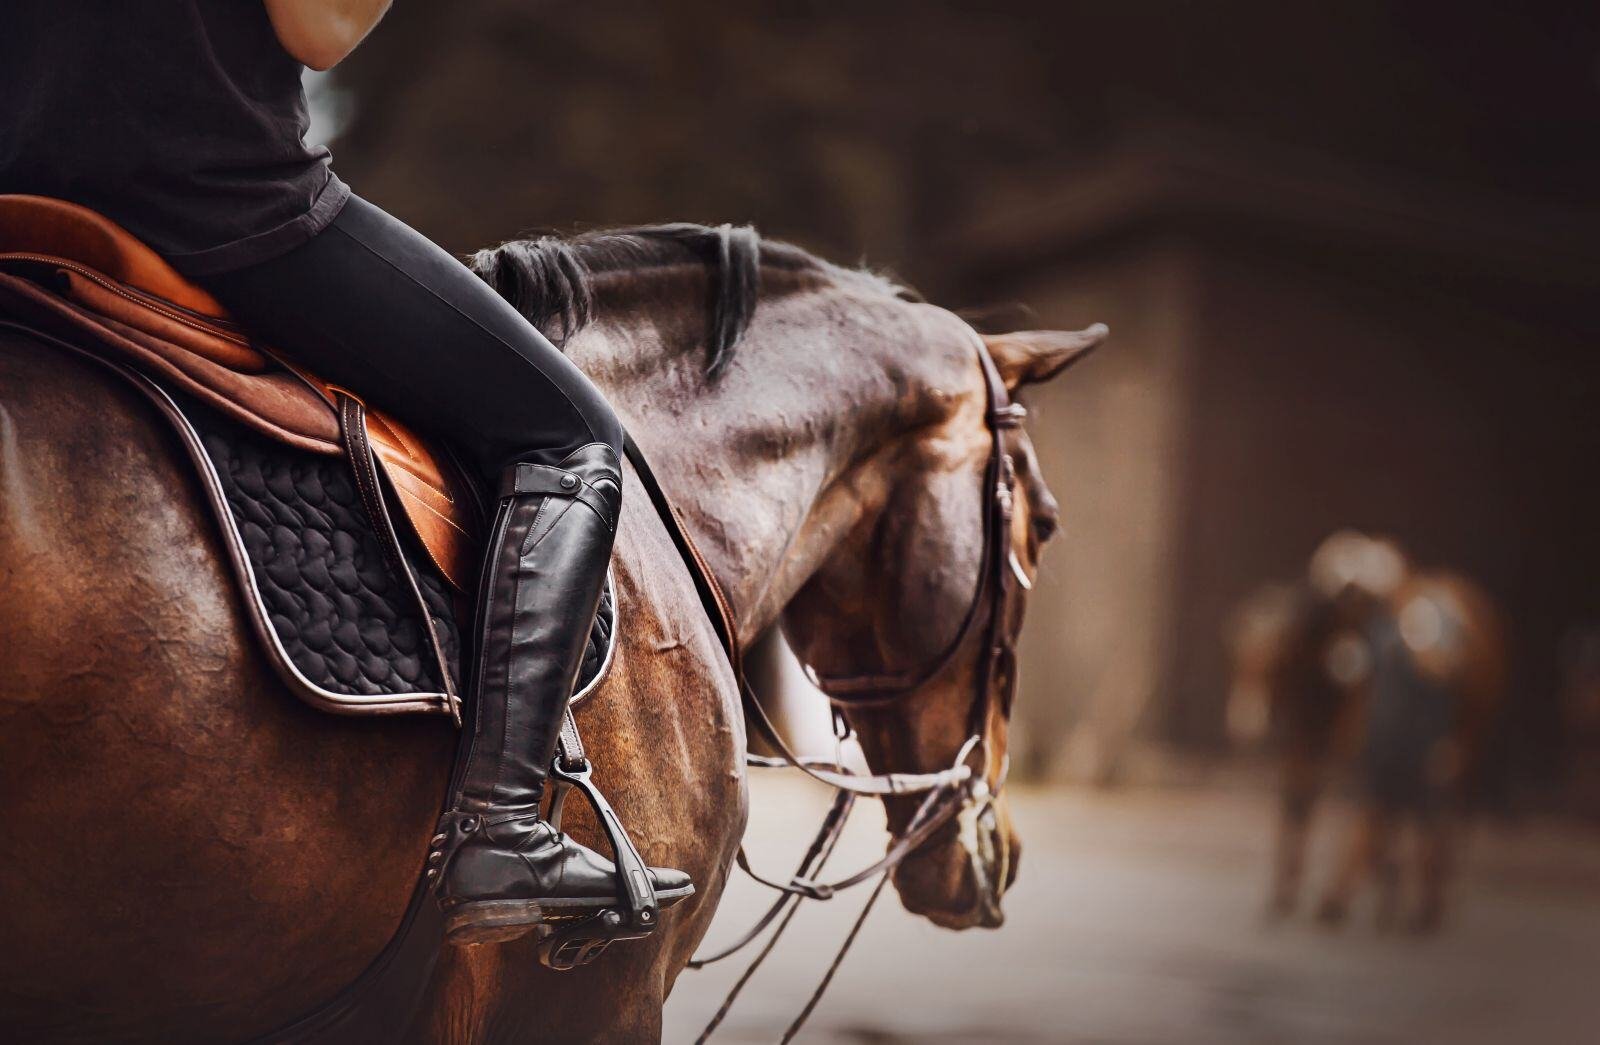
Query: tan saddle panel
139, 306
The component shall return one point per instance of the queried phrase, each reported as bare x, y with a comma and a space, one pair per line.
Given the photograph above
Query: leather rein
947, 792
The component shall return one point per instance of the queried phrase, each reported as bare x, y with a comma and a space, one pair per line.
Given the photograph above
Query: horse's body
189, 851
182, 858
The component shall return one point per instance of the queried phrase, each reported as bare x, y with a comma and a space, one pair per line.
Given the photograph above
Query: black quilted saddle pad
344, 622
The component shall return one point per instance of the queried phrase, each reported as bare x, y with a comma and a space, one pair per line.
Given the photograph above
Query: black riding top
183, 121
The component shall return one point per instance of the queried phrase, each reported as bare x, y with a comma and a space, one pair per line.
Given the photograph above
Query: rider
184, 121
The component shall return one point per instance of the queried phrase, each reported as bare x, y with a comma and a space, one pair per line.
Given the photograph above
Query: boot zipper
502, 520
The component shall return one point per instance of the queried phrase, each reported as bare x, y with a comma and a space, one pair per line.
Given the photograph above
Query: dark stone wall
1317, 401
867, 129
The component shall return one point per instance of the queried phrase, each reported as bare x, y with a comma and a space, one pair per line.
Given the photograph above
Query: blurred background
1349, 255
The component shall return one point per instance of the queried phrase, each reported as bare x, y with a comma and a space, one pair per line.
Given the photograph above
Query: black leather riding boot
498, 867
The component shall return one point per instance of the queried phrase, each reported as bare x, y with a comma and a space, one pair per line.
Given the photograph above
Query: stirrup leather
636, 917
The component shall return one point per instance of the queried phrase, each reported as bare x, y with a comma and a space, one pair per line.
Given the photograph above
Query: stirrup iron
636, 916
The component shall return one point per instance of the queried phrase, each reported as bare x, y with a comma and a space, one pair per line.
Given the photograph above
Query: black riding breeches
371, 305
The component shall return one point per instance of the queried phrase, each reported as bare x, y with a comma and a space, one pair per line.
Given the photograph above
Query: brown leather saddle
361, 616
110, 280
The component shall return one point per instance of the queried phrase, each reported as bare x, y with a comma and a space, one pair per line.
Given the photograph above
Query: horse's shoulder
658, 604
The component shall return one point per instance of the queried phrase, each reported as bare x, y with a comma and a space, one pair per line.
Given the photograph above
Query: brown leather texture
57, 228
89, 278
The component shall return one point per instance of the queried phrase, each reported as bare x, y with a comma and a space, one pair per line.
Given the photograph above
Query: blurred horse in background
1396, 672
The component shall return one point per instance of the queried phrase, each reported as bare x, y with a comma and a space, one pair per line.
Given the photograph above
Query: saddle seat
106, 282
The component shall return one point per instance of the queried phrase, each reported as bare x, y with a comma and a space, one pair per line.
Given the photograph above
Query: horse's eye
1045, 525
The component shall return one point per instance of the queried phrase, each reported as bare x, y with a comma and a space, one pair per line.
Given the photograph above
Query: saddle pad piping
307, 690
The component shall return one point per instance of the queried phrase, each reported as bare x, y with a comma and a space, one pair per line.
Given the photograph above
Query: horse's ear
1027, 357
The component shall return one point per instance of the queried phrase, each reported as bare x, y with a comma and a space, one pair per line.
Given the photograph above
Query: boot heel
492, 921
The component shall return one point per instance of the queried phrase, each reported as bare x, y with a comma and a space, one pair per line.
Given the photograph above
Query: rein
946, 793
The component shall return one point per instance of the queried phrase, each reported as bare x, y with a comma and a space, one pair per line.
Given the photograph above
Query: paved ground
1136, 919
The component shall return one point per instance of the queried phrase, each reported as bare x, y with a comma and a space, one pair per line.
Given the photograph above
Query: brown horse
187, 849
1395, 672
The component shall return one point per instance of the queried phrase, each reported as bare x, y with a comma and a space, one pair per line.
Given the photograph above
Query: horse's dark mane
550, 280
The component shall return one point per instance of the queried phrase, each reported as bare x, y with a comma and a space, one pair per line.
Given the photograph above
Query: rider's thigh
372, 305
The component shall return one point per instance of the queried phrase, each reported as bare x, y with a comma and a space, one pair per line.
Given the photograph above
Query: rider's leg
372, 305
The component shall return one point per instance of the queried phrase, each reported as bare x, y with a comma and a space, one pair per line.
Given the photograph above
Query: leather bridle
990, 610
989, 618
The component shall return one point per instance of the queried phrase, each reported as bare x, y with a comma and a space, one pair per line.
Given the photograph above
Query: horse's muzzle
959, 879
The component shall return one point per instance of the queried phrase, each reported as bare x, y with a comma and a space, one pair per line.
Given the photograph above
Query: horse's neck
751, 459
752, 518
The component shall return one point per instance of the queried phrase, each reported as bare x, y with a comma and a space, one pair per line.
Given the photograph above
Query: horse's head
901, 621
